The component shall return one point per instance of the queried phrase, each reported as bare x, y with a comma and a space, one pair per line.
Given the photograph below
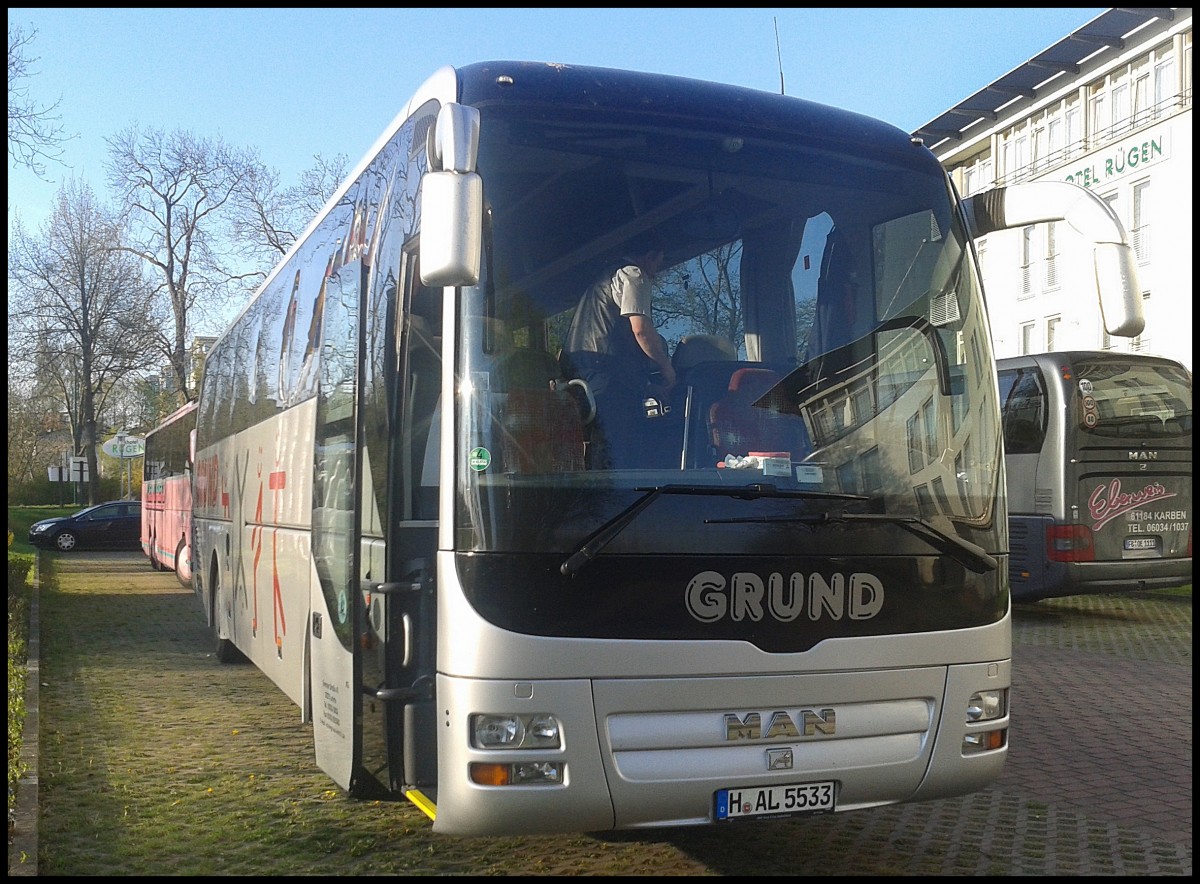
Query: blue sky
294, 83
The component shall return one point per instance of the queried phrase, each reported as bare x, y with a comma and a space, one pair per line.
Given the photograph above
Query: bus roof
1073, 356
679, 98
179, 413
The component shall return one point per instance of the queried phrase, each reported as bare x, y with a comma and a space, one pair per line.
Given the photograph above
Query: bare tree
176, 192
268, 218
27, 431
34, 132
77, 311
702, 296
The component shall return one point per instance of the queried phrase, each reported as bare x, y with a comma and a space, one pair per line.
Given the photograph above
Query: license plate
774, 801
1141, 543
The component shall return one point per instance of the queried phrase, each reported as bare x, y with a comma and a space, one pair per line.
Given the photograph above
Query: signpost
75, 469
125, 447
79, 475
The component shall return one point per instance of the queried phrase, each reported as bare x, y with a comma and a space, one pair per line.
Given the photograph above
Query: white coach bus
793, 599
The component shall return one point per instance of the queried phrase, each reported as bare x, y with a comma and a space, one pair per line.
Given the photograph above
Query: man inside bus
613, 345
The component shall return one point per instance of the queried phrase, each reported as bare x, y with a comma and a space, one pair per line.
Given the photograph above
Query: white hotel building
1109, 107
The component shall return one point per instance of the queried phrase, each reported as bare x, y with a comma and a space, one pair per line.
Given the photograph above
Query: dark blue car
113, 525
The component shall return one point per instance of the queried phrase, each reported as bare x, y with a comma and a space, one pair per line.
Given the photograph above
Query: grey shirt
598, 316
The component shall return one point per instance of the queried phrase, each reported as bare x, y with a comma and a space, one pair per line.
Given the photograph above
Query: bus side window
421, 418
1024, 411
1021, 437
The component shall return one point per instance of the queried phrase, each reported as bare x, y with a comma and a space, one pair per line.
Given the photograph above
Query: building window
930, 426
939, 494
1054, 139
1141, 342
1140, 232
1122, 110
925, 501
1022, 154
977, 175
1027, 261
872, 471
1026, 338
1114, 204
1073, 121
1052, 333
1100, 118
960, 473
847, 478
1164, 86
1143, 110
1051, 256
916, 456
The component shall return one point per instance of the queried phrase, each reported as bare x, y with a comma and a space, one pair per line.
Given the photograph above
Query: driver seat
739, 426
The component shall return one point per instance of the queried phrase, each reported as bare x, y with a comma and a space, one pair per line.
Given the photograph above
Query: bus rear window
1124, 400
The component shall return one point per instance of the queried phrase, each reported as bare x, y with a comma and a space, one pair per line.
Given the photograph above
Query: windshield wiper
968, 554
604, 535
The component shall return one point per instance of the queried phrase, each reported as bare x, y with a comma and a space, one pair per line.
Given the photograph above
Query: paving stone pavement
1098, 780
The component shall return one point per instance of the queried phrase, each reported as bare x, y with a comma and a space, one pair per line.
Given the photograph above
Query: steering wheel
587, 393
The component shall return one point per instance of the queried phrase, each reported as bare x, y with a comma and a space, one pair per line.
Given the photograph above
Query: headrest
753, 382
693, 349
526, 369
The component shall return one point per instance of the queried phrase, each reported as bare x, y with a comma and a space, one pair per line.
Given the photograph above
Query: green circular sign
479, 459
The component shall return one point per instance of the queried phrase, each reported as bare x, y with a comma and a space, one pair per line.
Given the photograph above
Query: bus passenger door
335, 603
413, 544
400, 453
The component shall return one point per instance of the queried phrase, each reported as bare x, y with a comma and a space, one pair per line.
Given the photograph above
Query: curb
23, 846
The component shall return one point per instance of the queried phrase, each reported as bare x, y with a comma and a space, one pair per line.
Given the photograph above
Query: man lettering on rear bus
613, 345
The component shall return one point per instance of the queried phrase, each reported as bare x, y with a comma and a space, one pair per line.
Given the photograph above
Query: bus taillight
1070, 543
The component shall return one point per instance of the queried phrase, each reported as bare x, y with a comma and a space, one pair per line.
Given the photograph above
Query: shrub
19, 588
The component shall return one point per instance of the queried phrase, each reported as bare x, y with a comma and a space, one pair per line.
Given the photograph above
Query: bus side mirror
1120, 294
452, 200
1018, 205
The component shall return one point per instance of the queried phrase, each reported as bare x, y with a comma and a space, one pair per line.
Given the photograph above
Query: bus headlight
509, 730
518, 773
985, 706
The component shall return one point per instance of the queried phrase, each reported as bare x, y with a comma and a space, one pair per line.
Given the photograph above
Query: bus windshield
820, 307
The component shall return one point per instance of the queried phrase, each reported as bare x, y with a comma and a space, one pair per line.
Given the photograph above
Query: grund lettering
709, 597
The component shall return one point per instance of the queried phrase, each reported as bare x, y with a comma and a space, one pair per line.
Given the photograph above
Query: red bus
167, 494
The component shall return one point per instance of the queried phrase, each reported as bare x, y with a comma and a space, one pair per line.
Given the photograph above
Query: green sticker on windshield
479, 459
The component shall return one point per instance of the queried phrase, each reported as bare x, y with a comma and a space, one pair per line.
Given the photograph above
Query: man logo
781, 724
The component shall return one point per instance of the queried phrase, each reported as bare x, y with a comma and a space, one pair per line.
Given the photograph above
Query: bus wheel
225, 649
182, 566
155, 564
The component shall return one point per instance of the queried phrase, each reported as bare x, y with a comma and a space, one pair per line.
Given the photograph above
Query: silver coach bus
1098, 448
793, 598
